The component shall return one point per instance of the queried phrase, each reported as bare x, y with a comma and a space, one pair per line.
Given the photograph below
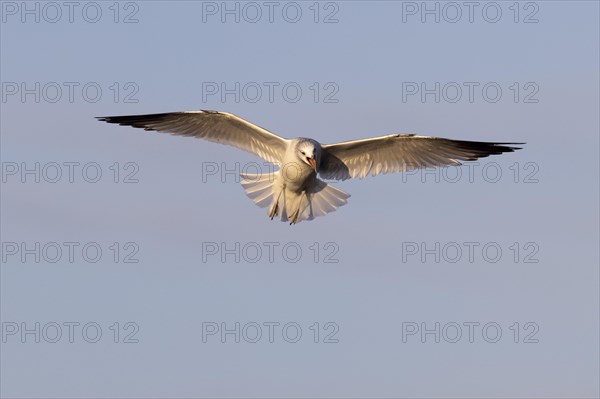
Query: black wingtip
482, 149
508, 147
109, 119
145, 122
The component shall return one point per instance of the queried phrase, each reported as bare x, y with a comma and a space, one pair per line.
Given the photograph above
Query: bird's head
309, 152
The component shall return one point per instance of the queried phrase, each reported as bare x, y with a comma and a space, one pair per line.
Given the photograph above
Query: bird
296, 192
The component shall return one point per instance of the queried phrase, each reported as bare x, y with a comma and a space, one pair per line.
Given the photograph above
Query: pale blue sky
368, 55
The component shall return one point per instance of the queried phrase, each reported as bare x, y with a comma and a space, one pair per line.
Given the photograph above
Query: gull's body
295, 192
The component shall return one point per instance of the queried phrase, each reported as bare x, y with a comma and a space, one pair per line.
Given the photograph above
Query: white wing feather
218, 127
400, 153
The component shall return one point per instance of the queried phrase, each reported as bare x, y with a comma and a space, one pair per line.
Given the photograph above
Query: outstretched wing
218, 127
400, 153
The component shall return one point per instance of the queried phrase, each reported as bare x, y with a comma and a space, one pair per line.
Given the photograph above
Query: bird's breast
296, 174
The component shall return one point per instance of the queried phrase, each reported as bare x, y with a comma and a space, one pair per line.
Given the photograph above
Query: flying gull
294, 192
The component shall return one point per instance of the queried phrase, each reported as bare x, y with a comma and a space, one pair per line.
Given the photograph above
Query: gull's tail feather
290, 206
316, 201
259, 187
323, 198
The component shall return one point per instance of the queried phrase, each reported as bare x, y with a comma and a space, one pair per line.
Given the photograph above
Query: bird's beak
313, 164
